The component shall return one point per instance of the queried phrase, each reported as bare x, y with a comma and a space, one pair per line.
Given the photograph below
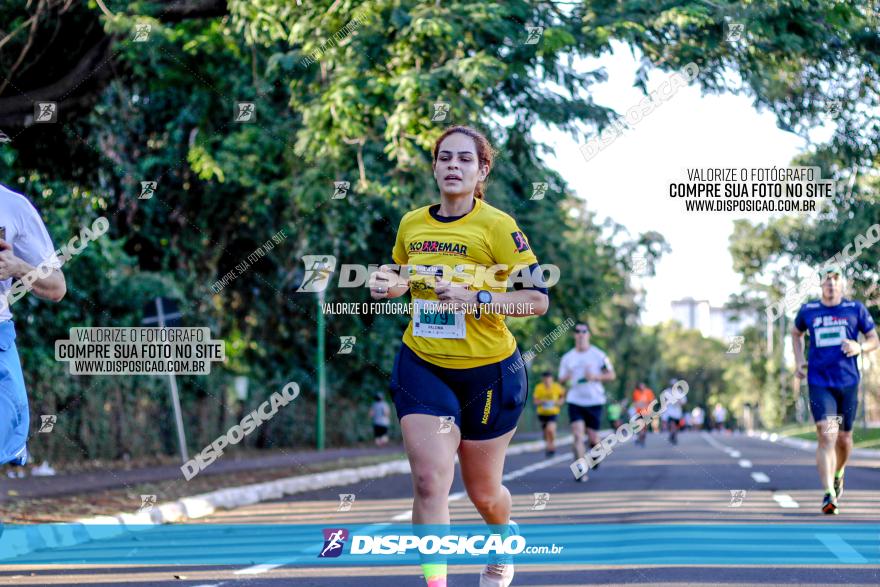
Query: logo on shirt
830, 321
520, 241
438, 247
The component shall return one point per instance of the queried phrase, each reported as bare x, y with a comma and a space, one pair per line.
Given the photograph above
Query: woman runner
458, 382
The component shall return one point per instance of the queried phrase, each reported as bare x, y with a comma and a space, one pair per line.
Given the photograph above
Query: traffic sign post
167, 314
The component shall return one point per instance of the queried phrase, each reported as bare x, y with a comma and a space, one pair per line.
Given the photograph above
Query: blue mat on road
391, 544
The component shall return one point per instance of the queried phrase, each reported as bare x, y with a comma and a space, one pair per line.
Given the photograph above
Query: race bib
430, 321
830, 335
548, 405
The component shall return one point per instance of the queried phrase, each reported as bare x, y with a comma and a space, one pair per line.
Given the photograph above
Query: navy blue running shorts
485, 402
591, 415
835, 401
546, 420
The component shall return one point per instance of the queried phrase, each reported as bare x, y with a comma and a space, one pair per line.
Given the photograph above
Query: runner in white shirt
24, 243
720, 417
699, 417
583, 369
673, 411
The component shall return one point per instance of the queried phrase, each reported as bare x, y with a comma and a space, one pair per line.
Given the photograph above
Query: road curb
19, 541
807, 445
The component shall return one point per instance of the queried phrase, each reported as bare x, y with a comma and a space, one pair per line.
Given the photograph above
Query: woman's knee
429, 483
487, 498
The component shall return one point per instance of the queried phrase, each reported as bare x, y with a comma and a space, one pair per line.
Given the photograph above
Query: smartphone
2, 233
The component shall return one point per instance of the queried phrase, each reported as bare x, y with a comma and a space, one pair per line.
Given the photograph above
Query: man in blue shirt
834, 324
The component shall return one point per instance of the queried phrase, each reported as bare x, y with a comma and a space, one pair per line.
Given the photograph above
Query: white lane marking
714, 443
839, 548
731, 452
785, 501
257, 569
536, 467
760, 478
745, 464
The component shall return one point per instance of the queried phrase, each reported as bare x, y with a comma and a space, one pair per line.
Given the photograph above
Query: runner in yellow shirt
548, 396
459, 383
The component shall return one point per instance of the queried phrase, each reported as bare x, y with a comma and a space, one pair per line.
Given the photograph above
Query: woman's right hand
382, 281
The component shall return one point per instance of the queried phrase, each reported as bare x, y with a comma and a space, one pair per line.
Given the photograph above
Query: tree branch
27, 47
15, 109
179, 10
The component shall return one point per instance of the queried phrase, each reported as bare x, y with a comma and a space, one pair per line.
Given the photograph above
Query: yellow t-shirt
461, 249
542, 394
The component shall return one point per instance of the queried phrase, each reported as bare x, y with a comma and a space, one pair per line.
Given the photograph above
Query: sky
628, 180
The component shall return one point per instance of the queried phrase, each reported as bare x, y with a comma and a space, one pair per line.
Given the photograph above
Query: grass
862, 437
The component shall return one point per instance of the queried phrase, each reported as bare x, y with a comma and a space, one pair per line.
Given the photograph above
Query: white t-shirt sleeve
563, 367
606, 362
33, 243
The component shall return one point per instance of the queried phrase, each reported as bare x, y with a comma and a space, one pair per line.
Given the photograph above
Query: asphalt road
774, 486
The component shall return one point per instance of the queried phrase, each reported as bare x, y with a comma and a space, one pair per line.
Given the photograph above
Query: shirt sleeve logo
520, 241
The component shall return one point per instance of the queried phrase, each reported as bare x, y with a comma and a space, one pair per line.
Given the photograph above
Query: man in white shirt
699, 417
674, 411
583, 369
720, 416
24, 244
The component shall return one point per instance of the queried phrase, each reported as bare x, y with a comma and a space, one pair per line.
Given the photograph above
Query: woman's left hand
458, 296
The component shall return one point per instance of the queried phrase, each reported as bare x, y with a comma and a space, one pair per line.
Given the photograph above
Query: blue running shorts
14, 415
485, 402
835, 401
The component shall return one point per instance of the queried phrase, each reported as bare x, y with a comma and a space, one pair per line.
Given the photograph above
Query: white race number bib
829, 335
432, 322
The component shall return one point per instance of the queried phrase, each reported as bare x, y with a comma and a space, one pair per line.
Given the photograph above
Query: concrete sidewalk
117, 478
76, 483
21, 540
